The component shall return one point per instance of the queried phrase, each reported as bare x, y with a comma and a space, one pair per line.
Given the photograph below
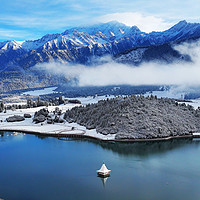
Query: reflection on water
1, 134
127, 148
103, 180
6, 136
145, 148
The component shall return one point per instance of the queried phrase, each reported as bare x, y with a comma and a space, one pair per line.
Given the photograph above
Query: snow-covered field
57, 128
91, 99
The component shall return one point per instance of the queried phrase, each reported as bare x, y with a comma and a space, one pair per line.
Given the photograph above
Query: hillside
137, 117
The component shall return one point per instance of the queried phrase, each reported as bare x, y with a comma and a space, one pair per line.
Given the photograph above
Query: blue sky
24, 20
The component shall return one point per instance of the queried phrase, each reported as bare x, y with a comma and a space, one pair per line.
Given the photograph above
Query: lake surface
34, 168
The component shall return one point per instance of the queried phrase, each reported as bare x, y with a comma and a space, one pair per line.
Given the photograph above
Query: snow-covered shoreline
62, 129
57, 129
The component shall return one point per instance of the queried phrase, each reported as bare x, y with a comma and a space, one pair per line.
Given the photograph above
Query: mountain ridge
113, 28
80, 45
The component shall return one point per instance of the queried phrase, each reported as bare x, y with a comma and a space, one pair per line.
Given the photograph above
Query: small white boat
104, 171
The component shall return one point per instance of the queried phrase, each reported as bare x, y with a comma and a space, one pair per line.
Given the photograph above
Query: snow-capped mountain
80, 44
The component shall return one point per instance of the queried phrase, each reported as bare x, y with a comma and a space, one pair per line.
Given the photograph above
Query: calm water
33, 168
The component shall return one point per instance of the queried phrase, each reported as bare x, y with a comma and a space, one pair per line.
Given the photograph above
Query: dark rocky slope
164, 53
137, 117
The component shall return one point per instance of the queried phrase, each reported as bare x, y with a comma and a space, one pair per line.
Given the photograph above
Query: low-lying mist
111, 73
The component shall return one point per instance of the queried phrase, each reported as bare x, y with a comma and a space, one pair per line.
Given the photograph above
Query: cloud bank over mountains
152, 73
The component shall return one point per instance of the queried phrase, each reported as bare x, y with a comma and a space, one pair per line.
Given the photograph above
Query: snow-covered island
130, 118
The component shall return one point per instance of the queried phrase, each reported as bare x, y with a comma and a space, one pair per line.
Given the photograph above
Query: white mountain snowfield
78, 36
102, 34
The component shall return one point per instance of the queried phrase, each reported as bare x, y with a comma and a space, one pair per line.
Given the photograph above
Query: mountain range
82, 44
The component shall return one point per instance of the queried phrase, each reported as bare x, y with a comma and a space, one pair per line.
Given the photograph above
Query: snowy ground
195, 103
57, 128
91, 99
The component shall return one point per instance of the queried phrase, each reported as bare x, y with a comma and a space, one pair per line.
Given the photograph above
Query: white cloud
146, 23
7, 34
112, 73
117, 74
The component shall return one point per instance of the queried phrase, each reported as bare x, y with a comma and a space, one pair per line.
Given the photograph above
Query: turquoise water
34, 168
